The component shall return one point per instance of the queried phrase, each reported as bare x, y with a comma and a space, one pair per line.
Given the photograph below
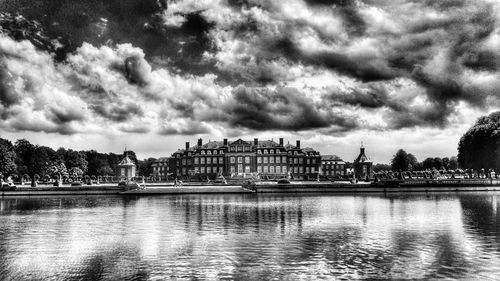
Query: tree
381, 167
145, 168
58, 171
479, 147
401, 161
438, 163
428, 163
7, 158
75, 173
453, 164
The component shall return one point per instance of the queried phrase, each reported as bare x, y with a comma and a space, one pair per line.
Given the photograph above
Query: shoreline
261, 187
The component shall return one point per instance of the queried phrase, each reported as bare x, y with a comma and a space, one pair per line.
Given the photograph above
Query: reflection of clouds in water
250, 237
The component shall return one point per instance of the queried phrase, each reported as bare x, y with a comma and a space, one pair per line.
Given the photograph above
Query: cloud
200, 67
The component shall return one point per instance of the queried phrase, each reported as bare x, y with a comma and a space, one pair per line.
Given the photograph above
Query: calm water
249, 237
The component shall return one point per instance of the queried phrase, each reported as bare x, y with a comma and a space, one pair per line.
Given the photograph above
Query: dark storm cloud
374, 97
118, 112
282, 109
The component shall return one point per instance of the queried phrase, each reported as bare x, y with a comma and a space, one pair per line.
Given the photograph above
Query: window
313, 170
240, 159
196, 170
278, 170
240, 148
259, 169
259, 159
233, 148
283, 159
296, 160
220, 160
196, 160
301, 160
271, 159
214, 160
221, 152
307, 170
240, 168
265, 159
189, 162
247, 159
209, 152
265, 151
313, 161
209, 170
183, 162
189, 153
271, 169
203, 152
215, 151
295, 170
183, 171
232, 159
233, 170
247, 169
266, 169
278, 159
301, 170
271, 151
283, 169
209, 160
202, 160
308, 161
202, 169
247, 148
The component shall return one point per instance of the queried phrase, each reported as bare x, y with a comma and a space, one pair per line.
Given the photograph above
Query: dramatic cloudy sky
151, 74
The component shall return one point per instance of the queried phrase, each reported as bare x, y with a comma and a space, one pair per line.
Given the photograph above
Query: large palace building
267, 158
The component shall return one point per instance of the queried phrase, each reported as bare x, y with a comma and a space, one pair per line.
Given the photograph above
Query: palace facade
267, 158
333, 166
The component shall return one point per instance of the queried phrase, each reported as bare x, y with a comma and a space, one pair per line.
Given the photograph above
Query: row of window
333, 173
208, 160
240, 168
338, 166
208, 170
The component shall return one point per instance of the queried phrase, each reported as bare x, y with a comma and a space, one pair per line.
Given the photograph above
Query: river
251, 237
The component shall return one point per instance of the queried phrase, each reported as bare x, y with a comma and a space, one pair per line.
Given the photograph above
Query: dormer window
203, 152
265, 151
221, 152
272, 151
215, 151
209, 152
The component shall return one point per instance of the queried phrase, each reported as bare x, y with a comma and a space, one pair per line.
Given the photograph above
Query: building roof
362, 158
126, 161
330, 158
212, 145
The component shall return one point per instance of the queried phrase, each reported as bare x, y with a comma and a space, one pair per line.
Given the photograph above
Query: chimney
255, 141
362, 150
225, 141
298, 144
281, 141
187, 145
200, 142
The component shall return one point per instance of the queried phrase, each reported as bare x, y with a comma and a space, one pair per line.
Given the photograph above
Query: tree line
403, 161
23, 158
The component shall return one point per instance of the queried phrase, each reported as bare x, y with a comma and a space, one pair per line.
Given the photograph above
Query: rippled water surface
250, 237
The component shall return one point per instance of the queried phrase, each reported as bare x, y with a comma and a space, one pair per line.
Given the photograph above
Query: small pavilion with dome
126, 170
363, 167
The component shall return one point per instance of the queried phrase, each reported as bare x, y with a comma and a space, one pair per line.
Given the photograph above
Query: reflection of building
126, 169
332, 165
267, 158
160, 167
362, 165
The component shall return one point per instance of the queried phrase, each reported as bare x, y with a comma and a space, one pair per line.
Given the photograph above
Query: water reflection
250, 237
